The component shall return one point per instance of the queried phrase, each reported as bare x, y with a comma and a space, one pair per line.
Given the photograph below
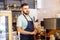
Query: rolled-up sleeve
19, 22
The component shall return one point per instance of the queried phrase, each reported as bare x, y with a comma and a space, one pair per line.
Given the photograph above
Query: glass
3, 28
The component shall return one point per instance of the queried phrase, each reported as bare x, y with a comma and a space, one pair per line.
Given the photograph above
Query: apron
30, 28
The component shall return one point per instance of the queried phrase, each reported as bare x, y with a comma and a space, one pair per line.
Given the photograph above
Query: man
25, 24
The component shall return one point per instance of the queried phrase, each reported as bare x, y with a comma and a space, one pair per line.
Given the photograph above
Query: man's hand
34, 32
19, 29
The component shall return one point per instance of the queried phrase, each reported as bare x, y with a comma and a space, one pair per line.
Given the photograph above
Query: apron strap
26, 18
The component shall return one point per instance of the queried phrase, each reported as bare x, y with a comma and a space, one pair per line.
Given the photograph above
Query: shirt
22, 22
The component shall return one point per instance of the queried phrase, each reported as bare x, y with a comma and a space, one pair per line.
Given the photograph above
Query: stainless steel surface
52, 23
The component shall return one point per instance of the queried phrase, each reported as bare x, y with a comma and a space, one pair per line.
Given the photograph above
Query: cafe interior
46, 17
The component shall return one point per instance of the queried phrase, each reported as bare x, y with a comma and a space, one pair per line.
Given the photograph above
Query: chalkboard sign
2, 4
1, 0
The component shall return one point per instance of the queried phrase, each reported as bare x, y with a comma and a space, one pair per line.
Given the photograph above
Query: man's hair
24, 4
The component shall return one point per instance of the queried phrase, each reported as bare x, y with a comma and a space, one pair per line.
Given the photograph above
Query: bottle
18, 35
52, 37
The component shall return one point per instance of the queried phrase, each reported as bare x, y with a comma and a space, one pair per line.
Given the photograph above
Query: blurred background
46, 13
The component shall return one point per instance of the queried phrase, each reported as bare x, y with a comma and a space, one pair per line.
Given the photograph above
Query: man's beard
26, 13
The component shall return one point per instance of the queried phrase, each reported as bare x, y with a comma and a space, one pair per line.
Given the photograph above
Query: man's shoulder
20, 16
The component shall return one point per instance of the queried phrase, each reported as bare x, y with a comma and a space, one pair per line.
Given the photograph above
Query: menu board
3, 28
2, 4
1, 0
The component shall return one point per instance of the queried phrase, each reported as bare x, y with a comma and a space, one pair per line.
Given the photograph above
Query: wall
18, 2
48, 9
12, 2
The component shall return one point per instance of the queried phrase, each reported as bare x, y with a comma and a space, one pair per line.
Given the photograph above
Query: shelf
15, 10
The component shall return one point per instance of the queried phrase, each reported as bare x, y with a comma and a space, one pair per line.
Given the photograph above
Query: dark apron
30, 28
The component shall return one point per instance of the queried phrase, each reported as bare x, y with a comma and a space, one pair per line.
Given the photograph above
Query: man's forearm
23, 31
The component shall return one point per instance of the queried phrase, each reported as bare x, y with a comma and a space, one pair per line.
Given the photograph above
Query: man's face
25, 9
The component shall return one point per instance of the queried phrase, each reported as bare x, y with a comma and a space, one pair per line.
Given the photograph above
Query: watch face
3, 28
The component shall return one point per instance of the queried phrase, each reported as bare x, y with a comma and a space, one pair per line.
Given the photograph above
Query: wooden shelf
15, 10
